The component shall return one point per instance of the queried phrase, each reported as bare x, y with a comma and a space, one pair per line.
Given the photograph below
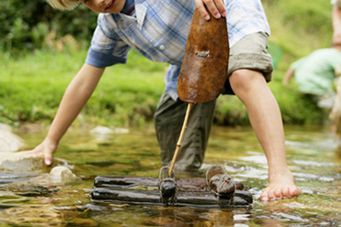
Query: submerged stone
62, 175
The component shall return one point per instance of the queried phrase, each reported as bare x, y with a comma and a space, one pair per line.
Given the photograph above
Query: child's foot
282, 186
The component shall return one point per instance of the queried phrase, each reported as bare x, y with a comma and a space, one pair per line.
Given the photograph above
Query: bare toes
295, 191
278, 193
264, 196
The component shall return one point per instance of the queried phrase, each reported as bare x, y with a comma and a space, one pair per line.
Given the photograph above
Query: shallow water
312, 155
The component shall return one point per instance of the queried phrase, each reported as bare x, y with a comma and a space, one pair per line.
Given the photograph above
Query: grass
32, 85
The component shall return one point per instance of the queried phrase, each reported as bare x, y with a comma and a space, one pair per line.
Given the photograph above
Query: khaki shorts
251, 52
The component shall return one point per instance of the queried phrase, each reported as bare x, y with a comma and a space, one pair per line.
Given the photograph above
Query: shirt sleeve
297, 64
105, 51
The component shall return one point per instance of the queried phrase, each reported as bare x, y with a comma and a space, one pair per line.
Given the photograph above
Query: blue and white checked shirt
158, 29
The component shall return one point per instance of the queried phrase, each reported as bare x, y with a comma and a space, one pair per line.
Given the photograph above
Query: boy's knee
245, 80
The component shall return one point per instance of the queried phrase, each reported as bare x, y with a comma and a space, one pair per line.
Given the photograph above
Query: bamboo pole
179, 143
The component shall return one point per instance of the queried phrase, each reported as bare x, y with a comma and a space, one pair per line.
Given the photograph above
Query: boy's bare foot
280, 187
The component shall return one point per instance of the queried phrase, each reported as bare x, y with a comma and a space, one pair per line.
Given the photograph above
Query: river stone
9, 142
102, 130
21, 162
62, 175
104, 135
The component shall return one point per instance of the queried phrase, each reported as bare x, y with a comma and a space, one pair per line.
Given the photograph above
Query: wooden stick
178, 144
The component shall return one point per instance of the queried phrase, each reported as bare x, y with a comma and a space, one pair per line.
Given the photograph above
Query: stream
312, 152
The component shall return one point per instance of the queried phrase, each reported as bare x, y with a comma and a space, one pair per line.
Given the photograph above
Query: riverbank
32, 86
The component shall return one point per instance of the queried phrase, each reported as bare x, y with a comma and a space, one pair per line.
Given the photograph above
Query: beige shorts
251, 52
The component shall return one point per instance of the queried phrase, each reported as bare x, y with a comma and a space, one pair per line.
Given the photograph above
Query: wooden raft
190, 192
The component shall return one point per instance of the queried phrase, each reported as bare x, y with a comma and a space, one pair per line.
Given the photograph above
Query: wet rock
9, 142
101, 130
62, 175
21, 162
102, 135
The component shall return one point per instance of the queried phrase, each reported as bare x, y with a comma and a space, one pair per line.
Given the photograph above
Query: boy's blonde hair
63, 4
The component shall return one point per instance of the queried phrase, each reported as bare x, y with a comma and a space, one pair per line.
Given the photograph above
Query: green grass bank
31, 85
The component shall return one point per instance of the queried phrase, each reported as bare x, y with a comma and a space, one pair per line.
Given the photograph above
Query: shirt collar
129, 7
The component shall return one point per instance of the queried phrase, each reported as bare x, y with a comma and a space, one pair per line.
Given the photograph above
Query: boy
159, 29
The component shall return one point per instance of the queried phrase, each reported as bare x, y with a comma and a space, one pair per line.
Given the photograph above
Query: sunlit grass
32, 85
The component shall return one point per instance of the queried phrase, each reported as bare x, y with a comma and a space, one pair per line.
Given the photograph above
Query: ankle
280, 175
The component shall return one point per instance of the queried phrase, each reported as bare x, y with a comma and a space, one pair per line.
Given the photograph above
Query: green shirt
315, 73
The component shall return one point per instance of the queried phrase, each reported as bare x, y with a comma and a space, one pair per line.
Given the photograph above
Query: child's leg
169, 117
264, 114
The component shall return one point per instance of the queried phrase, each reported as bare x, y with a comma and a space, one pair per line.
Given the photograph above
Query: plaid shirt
158, 29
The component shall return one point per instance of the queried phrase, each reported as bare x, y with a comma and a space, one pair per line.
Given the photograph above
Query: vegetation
30, 25
39, 56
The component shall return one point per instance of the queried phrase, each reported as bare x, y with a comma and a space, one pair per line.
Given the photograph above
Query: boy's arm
75, 97
336, 15
215, 7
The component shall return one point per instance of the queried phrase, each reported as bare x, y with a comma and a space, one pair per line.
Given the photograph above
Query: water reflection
313, 156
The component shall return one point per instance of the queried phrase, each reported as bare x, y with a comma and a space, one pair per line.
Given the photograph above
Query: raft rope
179, 143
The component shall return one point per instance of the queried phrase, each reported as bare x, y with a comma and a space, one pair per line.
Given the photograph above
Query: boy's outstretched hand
215, 7
45, 149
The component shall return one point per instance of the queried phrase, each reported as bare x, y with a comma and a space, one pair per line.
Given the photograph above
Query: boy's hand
215, 7
45, 149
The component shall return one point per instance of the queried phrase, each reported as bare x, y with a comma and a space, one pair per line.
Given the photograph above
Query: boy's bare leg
264, 114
